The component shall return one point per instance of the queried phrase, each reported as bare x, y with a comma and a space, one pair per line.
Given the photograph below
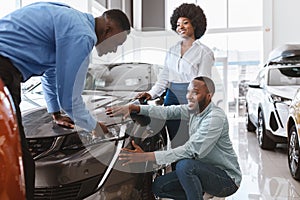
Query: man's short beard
200, 106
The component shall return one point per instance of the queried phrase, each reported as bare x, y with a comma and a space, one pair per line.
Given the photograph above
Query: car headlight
68, 144
279, 99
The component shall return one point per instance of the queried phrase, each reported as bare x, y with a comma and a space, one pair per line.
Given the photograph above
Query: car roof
285, 54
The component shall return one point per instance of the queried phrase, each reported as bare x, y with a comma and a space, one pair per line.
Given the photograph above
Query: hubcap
293, 152
260, 128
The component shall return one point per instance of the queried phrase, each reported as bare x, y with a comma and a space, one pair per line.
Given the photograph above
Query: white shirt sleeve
162, 82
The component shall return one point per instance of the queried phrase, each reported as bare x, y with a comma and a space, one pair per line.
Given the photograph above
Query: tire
263, 140
293, 153
249, 125
146, 193
150, 144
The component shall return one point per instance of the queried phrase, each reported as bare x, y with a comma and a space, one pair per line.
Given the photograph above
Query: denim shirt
53, 40
208, 138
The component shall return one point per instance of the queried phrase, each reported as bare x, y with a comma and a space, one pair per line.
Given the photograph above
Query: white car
269, 96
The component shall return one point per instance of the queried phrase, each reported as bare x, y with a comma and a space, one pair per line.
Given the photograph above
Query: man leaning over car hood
55, 40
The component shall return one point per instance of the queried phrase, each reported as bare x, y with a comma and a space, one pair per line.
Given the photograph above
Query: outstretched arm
122, 110
136, 155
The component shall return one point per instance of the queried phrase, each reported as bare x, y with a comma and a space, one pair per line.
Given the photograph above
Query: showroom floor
266, 174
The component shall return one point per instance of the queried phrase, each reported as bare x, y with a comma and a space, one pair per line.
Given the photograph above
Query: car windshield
121, 77
284, 76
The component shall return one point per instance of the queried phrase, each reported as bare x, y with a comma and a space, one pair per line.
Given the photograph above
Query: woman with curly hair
184, 61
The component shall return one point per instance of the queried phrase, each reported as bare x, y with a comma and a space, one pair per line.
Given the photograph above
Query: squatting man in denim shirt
55, 41
207, 162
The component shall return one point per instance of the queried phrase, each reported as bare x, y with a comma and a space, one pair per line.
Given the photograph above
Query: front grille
40, 145
69, 192
73, 191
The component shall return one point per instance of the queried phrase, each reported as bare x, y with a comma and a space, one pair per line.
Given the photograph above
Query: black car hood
39, 123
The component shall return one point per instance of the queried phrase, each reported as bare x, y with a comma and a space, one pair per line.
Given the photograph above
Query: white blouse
196, 61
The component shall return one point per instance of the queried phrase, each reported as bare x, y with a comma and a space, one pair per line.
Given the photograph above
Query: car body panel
12, 185
294, 111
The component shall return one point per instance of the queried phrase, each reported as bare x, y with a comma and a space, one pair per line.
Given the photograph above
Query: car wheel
250, 126
147, 187
293, 153
263, 140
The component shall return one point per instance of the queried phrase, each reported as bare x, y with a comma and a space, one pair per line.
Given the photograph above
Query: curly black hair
192, 12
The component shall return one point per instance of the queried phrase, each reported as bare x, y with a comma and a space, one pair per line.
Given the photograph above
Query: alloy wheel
293, 152
260, 128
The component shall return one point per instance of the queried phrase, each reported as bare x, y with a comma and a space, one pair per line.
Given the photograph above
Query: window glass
7, 7
244, 13
241, 48
215, 11
217, 42
77, 4
284, 76
241, 51
27, 2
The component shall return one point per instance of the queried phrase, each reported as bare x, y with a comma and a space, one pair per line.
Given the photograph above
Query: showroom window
8, 6
77, 4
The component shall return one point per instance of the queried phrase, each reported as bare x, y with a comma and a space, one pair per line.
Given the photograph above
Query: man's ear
209, 95
108, 25
107, 29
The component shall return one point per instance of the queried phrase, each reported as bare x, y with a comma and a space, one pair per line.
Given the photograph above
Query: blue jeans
191, 179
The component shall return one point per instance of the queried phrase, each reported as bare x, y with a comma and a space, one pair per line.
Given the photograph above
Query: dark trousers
12, 79
176, 95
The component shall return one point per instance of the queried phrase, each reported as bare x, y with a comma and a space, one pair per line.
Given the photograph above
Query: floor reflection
265, 173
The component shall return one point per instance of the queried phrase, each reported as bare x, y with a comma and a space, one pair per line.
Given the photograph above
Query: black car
71, 164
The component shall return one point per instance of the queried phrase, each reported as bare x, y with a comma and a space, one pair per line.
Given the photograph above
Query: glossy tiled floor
266, 174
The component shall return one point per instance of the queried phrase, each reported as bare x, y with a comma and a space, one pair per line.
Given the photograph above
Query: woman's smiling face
185, 28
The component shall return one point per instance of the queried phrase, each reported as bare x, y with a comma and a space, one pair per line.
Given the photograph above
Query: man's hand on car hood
63, 120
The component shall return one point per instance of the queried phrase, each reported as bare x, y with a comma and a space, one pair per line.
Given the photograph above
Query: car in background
11, 164
269, 96
243, 89
71, 164
293, 131
32, 94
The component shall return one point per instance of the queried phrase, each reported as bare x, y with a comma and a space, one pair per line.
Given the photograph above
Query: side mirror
253, 84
